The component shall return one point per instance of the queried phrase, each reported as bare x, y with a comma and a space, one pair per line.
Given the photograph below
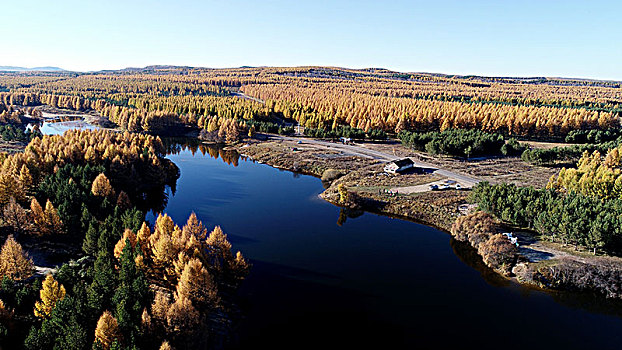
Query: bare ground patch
493, 169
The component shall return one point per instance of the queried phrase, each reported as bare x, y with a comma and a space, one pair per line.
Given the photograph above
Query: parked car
433, 187
444, 187
458, 187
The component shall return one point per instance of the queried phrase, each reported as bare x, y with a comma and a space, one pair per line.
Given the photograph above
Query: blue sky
501, 38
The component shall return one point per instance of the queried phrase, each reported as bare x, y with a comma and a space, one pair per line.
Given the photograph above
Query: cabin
398, 166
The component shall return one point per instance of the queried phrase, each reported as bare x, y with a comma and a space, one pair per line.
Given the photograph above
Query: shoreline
437, 209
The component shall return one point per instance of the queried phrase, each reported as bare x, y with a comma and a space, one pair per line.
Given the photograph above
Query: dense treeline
564, 155
461, 143
320, 105
570, 218
160, 99
593, 136
13, 132
595, 176
135, 160
137, 286
581, 206
347, 132
9, 114
269, 127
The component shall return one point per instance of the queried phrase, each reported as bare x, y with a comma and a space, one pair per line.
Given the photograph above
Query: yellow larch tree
14, 262
196, 284
182, 315
107, 331
101, 186
51, 292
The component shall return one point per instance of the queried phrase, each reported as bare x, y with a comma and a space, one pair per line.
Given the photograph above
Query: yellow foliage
182, 315
196, 284
51, 292
165, 346
595, 175
160, 306
14, 262
101, 186
107, 330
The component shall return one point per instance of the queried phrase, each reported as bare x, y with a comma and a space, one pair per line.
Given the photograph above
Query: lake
57, 124
322, 280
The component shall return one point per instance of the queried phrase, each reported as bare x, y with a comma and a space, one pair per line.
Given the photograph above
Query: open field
493, 169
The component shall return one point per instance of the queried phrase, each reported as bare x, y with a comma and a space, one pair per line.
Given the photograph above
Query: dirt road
465, 180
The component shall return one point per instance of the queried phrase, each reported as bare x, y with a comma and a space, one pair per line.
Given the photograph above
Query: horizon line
39, 69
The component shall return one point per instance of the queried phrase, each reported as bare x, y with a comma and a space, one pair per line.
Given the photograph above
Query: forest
131, 284
580, 206
461, 143
157, 99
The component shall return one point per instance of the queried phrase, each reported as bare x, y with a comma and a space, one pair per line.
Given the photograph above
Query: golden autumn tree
36, 211
241, 265
344, 197
195, 228
145, 320
9, 187
196, 284
160, 306
14, 262
15, 216
107, 331
101, 186
45, 221
163, 250
180, 264
212, 125
51, 292
52, 219
217, 238
182, 315
143, 239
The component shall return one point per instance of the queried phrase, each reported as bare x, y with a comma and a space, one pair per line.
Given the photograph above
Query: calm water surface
371, 282
57, 124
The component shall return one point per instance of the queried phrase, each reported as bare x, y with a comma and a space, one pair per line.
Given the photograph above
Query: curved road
465, 180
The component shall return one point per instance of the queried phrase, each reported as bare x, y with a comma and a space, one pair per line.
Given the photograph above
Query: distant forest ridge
332, 71
155, 99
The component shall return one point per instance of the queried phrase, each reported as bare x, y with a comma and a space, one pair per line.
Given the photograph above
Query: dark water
373, 282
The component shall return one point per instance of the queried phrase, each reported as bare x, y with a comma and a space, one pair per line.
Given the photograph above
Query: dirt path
246, 97
464, 180
423, 187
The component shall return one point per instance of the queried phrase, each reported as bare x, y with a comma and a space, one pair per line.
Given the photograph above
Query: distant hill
34, 69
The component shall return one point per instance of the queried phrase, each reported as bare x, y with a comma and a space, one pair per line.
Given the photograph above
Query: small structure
399, 165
